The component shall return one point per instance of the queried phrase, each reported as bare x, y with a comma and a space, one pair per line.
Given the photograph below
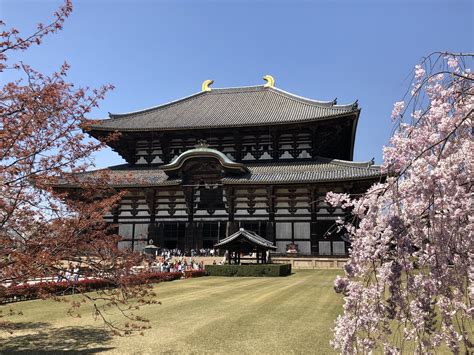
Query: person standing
76, 273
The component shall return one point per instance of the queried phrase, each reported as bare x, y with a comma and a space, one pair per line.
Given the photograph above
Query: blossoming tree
408, 284
42, 234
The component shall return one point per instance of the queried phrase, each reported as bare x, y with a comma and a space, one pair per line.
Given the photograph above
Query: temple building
257, 157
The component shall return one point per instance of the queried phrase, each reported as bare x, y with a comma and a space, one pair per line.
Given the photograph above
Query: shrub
152, 277
194, 273
37, 290
271, 270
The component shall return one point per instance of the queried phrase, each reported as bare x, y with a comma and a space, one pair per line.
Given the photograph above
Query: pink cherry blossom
397, 109
409, 279
419, 72
453, 62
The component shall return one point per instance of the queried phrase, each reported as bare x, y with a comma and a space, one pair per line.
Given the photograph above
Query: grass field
278, 315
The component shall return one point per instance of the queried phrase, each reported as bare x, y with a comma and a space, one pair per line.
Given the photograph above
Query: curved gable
177, 166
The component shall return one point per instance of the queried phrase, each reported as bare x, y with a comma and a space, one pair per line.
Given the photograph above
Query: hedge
194, 273
37, 290
271, 270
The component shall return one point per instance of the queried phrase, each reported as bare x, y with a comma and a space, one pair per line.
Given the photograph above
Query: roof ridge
115, 116
332, 103
238, 87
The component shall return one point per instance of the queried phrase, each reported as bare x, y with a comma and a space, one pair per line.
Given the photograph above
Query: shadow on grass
12, 326
77, 340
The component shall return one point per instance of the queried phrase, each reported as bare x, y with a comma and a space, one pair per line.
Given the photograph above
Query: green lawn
291, 314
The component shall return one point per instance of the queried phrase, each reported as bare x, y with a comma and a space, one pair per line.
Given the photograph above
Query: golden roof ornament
270, 81
206, 85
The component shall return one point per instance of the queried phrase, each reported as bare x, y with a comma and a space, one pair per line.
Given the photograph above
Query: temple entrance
211, 233
171, 244
173, 235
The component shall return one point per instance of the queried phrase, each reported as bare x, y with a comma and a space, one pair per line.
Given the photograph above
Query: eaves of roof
320, 171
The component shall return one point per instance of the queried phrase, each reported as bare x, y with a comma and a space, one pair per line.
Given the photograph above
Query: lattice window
126, 230
339, 248
303, 247
302, 230
324, 248
284, 230
141, 231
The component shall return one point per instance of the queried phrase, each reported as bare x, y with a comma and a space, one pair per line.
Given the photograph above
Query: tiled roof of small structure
250, 236
227, 107
321, 170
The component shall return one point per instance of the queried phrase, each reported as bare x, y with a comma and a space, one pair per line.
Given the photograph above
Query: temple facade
260, 158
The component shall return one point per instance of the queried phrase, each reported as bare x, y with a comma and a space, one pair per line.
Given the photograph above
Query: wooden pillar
165, 148
313, 208
153, 234
133, 236
190, 226
160, 239
271, 214
134, 203
275, 134
115, 220
314, 142
347, 213
232, 226
150, 197
198, 236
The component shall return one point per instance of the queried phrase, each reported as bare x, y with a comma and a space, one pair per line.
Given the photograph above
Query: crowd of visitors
176, 264
167, 253
71, 273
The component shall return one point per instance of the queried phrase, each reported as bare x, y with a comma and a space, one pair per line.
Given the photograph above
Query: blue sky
157, 51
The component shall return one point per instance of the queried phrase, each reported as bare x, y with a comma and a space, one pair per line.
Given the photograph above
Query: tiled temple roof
247, 236
227, 107
320, 170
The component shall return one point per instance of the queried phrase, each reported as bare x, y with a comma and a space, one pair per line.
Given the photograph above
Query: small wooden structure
245, 242
151, 250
